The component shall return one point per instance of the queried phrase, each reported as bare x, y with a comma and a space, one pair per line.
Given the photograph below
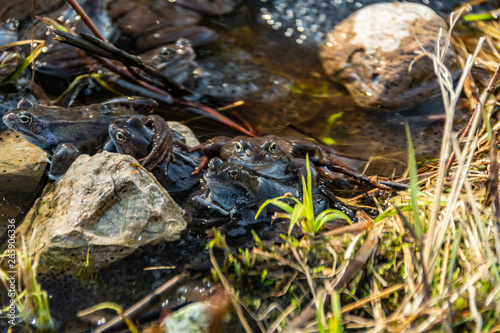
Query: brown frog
176, 61
284, 158
166, 21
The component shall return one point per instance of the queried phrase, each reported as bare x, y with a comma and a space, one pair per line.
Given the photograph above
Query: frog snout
256, 156
9, 118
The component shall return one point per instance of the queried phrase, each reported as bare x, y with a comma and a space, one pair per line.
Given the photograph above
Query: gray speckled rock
371, 50
107, 203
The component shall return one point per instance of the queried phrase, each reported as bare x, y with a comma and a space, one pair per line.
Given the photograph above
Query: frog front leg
109, 146
207, 202
210, 148
64, 155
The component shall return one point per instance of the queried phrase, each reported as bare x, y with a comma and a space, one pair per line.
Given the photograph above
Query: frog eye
239, 147
272, 147
167, 53
120, 136
233, 173
25, 119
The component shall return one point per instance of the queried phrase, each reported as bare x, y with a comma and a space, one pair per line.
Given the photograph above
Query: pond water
314, 106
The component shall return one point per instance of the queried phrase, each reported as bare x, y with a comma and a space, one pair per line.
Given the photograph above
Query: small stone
185, 131
107, 204
193, 318
21, 163
370, 53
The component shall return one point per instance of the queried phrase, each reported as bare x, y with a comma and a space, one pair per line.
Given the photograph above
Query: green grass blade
413, 183
453, 257
335, 323
296, 216
297, 213
330, 215
335, 211
273, 202
270, 201
308, 201
481, 16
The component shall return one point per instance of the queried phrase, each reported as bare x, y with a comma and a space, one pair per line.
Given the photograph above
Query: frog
268, 155
159, 149
84, 127
166, 21
176, 61
284, 158
230, 188
130, 137
60, 60
234, 190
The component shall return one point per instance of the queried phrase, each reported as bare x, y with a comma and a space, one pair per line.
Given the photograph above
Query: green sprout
484, 16
302, 213
30, 300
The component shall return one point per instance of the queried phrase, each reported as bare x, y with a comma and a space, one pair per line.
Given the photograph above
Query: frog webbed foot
64, 155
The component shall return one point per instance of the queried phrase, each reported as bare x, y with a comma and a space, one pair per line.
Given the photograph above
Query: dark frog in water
159, 149
230, 75
231, 189
65, 133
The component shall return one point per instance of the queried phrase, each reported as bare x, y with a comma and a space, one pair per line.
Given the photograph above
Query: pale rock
370, 53
192, 318
21, 163
106, 203
185, 131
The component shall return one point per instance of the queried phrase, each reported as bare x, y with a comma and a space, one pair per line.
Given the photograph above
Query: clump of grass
302, 212
31, 301
302, 276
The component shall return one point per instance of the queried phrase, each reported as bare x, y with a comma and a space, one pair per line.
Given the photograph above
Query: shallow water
313, 105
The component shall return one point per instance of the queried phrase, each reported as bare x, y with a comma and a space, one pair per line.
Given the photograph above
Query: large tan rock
21, 163
370, 53
106, 203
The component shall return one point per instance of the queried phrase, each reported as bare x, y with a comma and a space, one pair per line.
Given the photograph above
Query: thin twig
86, 19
